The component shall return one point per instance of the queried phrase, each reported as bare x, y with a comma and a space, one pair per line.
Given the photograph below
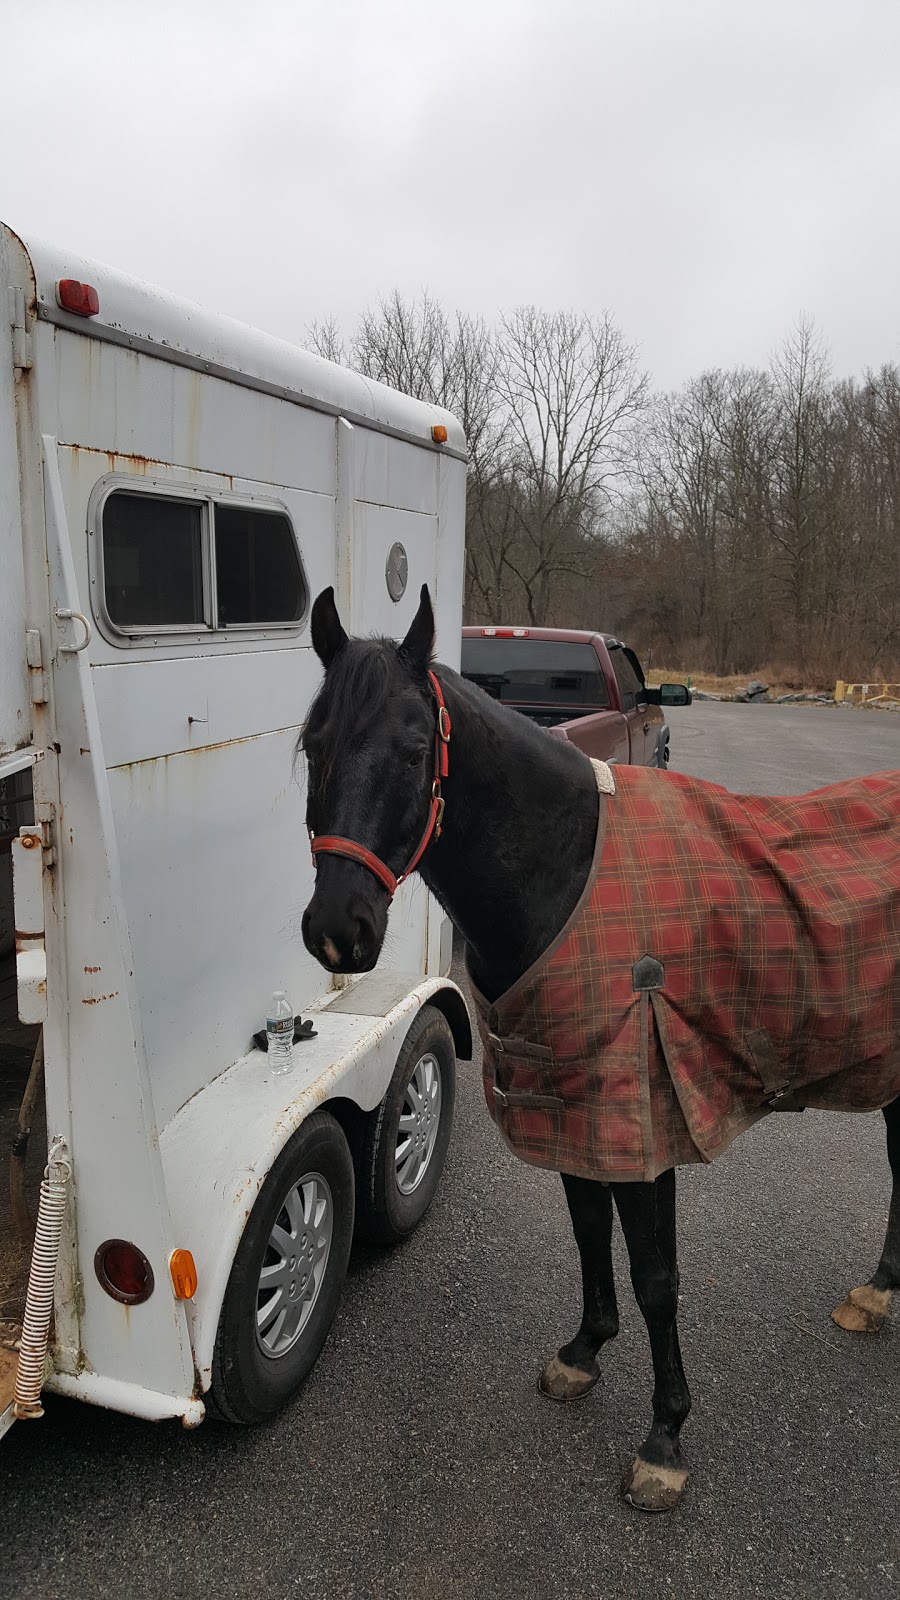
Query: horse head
375, 743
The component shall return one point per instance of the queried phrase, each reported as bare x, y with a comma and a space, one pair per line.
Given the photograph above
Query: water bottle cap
279, 995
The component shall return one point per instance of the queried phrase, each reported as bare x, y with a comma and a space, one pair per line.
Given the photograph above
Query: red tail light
124, 1271
79, 298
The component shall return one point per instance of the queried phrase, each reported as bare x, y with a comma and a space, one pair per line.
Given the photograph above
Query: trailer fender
218, 1149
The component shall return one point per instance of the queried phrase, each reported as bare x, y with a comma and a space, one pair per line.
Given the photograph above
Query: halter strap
331, 844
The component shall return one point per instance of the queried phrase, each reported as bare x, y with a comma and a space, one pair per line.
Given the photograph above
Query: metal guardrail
865, 694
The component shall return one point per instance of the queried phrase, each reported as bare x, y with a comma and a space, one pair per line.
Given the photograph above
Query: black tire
384, 1213
249, 1382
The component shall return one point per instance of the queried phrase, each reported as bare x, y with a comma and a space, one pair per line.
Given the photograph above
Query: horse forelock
356, 691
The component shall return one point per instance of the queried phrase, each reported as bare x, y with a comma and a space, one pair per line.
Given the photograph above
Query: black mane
357, 689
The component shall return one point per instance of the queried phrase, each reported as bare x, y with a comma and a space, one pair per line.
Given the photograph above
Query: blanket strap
776, 1079
647, 975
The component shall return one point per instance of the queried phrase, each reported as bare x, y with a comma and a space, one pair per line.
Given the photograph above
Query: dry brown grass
778, 680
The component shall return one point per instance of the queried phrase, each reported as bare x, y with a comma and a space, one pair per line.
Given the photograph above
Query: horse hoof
864, 1309
561, 1382
652, 1488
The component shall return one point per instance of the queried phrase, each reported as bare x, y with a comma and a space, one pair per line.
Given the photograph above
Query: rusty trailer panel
155, 684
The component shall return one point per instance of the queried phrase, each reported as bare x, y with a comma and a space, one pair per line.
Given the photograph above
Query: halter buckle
438, 798
443, 724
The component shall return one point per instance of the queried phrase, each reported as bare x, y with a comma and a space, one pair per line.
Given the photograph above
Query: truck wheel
401, 1146
662, 758
287, 1276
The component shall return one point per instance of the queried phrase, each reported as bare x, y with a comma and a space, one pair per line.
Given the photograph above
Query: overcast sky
707, 170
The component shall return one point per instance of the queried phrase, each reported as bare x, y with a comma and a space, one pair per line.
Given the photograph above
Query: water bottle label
281, 1025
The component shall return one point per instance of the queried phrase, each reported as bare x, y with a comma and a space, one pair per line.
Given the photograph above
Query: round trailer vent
396, 571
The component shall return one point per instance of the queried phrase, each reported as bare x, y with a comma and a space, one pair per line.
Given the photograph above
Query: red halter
329, 844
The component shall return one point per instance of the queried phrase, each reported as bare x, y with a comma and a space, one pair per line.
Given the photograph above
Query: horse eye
417, 759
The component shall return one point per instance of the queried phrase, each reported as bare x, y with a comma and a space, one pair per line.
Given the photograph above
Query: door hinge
43, 828
40, 692
28, 862
21, 338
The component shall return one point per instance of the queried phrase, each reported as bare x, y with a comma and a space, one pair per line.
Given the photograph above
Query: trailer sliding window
187, 563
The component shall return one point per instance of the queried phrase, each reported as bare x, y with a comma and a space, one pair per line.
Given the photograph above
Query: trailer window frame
164, 489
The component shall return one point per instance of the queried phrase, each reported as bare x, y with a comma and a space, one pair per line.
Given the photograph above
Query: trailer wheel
287, 1276
401, 1146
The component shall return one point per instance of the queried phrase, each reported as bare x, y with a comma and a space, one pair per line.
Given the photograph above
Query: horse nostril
364, 935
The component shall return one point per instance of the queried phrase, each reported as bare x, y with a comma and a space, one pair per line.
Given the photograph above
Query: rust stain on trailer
203, 749
98, 999
92, 969
142, 464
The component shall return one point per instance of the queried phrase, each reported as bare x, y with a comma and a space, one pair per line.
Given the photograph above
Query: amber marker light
439, 433
184, 1274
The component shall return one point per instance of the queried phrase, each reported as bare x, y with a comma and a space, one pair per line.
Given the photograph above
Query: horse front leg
574, 1370
655, 1480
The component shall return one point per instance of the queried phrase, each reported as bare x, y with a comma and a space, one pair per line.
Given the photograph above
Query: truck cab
585, 687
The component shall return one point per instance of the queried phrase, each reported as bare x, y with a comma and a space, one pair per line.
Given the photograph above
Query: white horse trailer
174, 488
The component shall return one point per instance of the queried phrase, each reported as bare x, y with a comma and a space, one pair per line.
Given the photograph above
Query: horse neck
518, 836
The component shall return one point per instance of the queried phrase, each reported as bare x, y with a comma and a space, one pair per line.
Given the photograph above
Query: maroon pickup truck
585, 687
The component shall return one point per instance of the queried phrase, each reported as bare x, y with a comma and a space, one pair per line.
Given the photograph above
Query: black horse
508, 862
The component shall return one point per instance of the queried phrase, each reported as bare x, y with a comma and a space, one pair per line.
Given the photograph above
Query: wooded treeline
748, 521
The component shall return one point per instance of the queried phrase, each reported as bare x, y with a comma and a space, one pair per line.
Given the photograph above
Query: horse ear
328, 636
419, 642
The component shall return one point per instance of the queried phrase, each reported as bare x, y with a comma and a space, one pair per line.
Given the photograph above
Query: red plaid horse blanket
730, 955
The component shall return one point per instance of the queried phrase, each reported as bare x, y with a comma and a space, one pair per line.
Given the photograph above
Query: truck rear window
537, 672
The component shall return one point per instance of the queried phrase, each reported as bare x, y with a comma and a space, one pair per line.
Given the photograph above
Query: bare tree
800, 503
749, 518
326, 339
572, 390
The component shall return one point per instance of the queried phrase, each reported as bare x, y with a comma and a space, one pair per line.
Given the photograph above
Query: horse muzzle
342, 938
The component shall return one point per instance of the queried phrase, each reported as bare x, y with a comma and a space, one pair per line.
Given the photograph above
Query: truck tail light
504, 633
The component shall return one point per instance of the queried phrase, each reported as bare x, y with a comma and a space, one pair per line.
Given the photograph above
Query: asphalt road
420, 1460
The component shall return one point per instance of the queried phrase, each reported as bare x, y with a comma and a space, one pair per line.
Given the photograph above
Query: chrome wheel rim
419, 1122
294, 1264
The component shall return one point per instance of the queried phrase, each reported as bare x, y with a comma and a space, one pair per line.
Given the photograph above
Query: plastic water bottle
280, 1033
